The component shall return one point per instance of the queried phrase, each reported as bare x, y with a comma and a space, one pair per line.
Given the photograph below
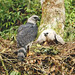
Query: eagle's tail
22, 53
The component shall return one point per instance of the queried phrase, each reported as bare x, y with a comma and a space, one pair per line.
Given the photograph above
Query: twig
3, 65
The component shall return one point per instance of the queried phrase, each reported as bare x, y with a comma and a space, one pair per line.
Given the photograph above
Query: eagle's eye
36, 18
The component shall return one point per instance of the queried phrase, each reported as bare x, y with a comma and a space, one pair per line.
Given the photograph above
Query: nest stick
3, 65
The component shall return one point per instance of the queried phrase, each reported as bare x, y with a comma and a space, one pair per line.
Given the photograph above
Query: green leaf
15, 73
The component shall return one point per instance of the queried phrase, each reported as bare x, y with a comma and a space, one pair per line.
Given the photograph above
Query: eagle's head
33, 19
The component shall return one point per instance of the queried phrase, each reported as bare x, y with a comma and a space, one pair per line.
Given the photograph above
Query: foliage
16, 12
9, 33
69, 34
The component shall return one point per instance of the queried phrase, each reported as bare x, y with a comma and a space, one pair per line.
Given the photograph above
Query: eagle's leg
18, 45
27, 50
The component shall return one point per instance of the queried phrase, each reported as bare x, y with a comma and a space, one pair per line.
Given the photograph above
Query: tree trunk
53, 15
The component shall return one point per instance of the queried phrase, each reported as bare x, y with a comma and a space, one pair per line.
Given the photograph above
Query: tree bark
53, 16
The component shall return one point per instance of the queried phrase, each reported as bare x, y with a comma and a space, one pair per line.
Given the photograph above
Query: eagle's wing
22, 27
26, 35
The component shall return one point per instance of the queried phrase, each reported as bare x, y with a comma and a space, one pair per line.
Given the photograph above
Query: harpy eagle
26, 34
50, 35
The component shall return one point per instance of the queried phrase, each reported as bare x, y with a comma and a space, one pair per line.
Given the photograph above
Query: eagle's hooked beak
38, 19
45, 34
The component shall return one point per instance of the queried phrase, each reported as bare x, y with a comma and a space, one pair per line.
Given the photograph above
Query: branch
3, 65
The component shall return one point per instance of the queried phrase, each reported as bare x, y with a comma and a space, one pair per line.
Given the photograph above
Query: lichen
53, 16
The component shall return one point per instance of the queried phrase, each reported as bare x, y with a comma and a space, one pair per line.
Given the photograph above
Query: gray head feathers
33, 19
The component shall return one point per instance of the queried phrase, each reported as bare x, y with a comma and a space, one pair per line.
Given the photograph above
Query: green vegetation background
13, 13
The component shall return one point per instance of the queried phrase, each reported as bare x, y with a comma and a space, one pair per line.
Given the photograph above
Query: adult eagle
26, 34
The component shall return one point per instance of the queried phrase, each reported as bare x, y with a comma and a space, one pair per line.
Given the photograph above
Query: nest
43, 60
